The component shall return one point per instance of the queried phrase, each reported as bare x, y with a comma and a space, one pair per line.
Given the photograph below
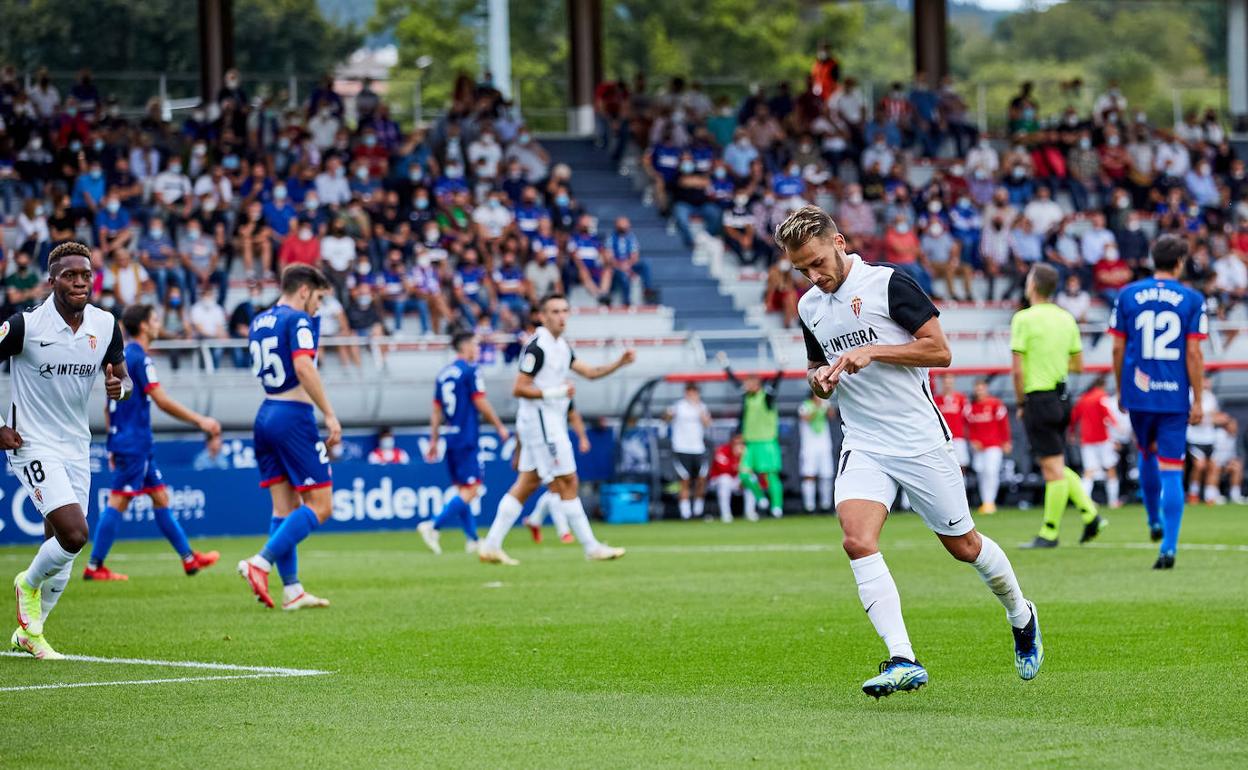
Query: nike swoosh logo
816, 323
55, 590
953, 523
872, 604
45, 344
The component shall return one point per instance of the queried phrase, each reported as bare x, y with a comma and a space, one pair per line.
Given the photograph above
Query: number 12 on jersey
1158, 331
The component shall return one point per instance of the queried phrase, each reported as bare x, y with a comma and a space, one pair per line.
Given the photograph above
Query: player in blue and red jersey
459, 399
130, 453
1158, 325
293, 460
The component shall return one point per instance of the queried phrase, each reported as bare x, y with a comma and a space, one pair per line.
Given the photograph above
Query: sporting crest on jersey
4, 330
91, 341
855, 305
1142, 380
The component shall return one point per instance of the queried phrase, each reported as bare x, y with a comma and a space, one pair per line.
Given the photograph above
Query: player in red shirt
725, 478
1094, 418
988, 429
952, 405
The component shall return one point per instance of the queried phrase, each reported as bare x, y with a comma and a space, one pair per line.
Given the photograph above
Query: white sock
1211, 492
1088, 483
1193, 489
53, 587
808, 495
699, 506
994, 567
1111, 488
261, 562
880, 599
724, 493
509, 509
50, 559
686, 509
291, 591
557, 516
579, 522
751, 505
538, 517
825, 493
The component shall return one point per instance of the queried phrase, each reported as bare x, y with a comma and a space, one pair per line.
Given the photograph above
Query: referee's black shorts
1046, 417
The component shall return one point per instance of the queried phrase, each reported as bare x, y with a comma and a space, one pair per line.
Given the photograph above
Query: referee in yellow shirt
1046, 344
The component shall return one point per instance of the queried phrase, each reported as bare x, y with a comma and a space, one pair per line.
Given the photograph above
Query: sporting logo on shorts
855, 305
38, 494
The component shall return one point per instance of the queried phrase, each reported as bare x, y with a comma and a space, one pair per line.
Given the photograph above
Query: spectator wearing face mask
902, 251
240, 323
332, 187
532, 157
994, 251
386, 453
625, 251
281, 215
739, 235
856, 219
174, 322
201, 263
1110, 274
474, 294
1172, 161
208, 323
738, 155
171, 186
780, 293
1096, 240
24, 287
1201, 185
254, 240
1133, 243
943, 254
879, 156
1044, 212
1084, 166
1026, 250
300, 247
363, 315
160, 259
690, 198
112, 226
88, 192
965, 225
363, 185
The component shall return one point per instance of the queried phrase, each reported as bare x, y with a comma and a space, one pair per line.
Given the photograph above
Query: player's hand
112, 466
826, 378
853, 361
583, 445
1197, 414
112, 383
335, 430
629, 356
1007, 448
1019, 413
977, 446
571, 390
9, 439
503, 434
722, 358
431, 454
210, 426
515, 458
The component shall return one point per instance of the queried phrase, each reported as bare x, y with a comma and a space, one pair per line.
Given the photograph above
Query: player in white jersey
1226, 460
1202, 486
816, 453
871, 334
689, 419
546, 503
56, 351
544, 391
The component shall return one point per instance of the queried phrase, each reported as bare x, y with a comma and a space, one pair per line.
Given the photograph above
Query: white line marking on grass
902, 544
251, 672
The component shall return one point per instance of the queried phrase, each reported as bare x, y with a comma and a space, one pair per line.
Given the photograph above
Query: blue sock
288, 565
1172, 509
1150, 488
105, 534
457, 512
172, 530
298, 525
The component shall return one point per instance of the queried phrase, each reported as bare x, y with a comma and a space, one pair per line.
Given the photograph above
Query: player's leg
567, 487
1109, 461
106, 532
989, 474
682, 475
808, 462
1235, 469
1199, 462
1212, 473
699, 488
510, 507
775, 490
863, 493
192, 561
42, 584
1144, 425
724, 487
1170, 442
749, 480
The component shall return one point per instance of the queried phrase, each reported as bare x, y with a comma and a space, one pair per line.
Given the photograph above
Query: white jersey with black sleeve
886, 409
548, 360
53, 371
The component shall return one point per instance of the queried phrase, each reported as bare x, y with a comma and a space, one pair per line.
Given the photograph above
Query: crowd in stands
459, 224
911, 180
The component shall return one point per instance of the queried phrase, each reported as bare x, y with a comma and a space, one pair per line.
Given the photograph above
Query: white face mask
855, 197
386, 443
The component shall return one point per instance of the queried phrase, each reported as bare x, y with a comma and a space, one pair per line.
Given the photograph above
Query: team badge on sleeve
4, 330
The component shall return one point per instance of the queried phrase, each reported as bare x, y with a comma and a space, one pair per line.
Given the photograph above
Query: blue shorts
135, 475
464, 465
1161, 433
289, 447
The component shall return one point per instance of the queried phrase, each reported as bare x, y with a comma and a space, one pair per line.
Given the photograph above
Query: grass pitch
709, 645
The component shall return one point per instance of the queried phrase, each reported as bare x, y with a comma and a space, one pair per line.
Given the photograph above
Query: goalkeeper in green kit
760, 427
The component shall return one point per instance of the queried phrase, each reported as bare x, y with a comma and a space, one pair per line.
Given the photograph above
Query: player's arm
531, 362
1016, 373
819, 374
117, 383
590, 372
12, 341
1120, 352
910, 308
577, 424
722, 358
487, 411
1196, 376
310, 379
435, 427
173, 408
1076, 363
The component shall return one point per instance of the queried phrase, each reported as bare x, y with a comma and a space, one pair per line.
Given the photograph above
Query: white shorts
550, 459
50, 481
816, 462
988, 457
732, 482
1098, 457
933, 481
962, 452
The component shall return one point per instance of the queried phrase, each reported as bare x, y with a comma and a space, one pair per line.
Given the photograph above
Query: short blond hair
803, 226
